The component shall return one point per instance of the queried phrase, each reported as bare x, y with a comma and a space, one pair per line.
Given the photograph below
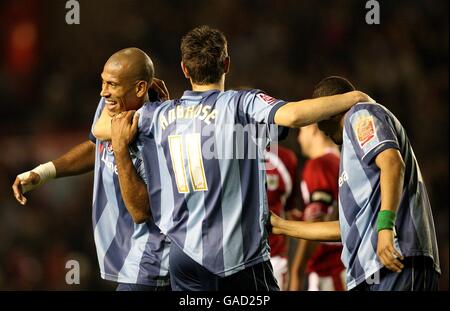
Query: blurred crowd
50, 84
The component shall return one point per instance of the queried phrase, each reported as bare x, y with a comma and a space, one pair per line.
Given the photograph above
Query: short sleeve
256, 107
372, 131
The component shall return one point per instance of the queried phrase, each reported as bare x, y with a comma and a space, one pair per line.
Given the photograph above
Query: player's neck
220, 85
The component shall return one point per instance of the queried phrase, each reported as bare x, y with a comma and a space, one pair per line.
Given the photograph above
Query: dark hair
332, 86
203, 52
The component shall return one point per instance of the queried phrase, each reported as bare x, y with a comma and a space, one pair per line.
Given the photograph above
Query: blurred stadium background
50, 84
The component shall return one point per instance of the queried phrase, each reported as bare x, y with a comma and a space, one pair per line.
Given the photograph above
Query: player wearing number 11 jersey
204, 158
212, 205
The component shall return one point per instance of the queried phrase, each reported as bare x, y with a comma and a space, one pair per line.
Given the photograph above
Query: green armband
386, 220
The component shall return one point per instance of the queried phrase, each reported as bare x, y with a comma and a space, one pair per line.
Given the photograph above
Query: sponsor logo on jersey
109, 164
365, 130
266, 98
343, 178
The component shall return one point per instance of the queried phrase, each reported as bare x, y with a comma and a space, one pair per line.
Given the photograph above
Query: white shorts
326, 283
280, 270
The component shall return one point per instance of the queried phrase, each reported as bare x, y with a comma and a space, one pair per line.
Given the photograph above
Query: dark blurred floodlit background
50, 84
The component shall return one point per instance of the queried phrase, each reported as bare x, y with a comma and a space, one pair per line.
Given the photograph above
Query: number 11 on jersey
195, 162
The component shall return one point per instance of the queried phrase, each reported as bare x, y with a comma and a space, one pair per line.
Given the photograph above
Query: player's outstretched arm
308, 111
133, 189
327, 231
80, 159
392, 170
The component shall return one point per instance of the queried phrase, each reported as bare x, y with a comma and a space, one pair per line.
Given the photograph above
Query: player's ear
141, 88
226, 64
185, 71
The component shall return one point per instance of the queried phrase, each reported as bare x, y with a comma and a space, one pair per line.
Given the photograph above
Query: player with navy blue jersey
206, 174
131, 250
385, 218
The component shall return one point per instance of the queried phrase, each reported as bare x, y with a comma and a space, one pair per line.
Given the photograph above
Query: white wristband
45, 171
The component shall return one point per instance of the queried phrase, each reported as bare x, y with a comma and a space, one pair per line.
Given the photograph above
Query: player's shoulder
312, 165
368, 108
281, 149
229, 94
321, 163
244, 93
329, 162
366, 113
238, 97
329, 157
150, 111
150, 107
285, 153
311, 169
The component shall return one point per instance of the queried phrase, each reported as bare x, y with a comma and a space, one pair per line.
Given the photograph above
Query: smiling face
119, 88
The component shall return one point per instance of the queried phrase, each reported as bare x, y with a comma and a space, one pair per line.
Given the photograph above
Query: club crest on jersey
266, 98
365, 130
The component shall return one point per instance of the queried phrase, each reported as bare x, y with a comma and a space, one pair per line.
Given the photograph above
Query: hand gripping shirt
127, 252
